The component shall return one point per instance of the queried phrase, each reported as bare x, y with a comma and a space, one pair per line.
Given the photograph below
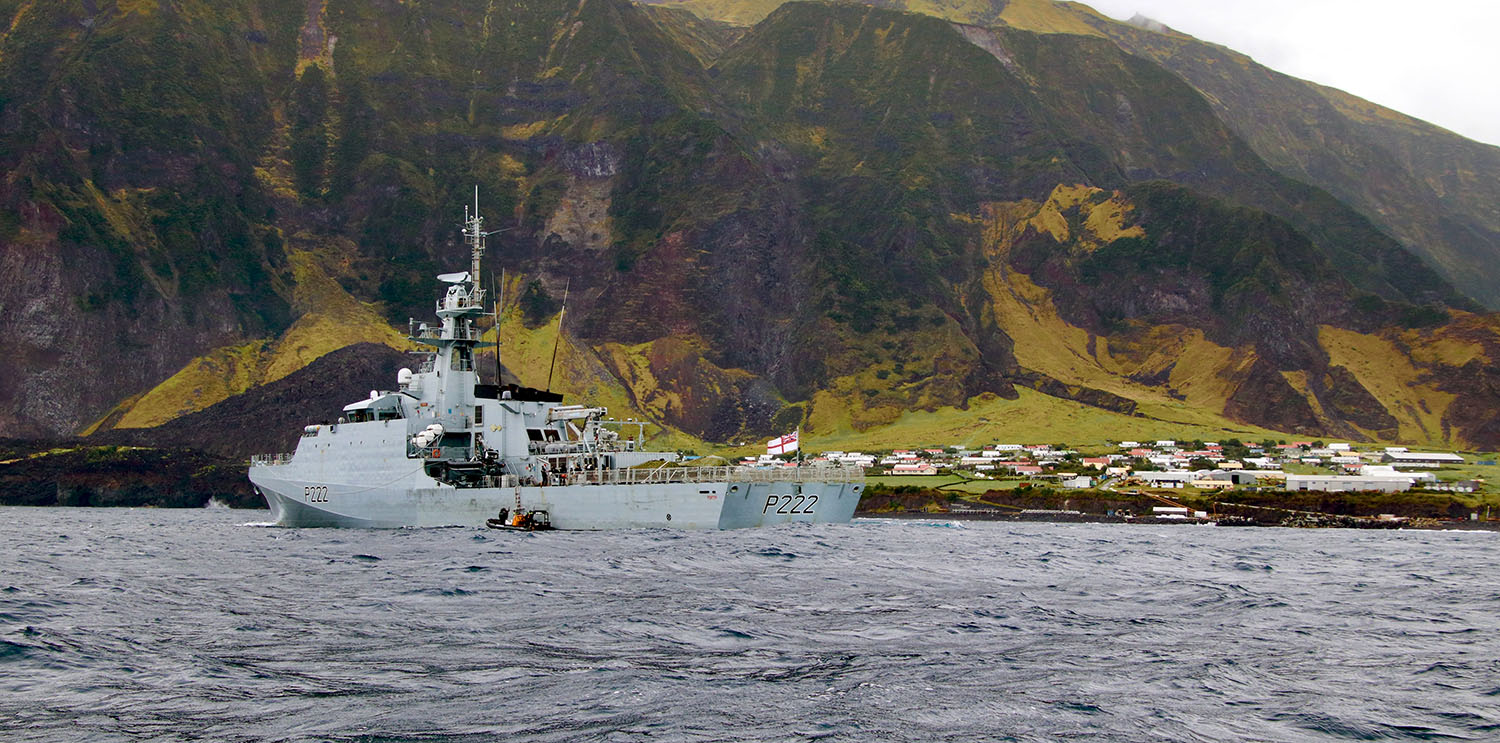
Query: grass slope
1031, 418
331, 319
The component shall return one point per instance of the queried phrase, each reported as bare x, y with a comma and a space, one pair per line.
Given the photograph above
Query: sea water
204, 625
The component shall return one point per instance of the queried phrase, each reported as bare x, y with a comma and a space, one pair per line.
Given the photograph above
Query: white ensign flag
784, 445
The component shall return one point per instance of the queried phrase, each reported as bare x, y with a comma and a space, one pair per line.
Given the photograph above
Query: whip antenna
499, 307
558, 341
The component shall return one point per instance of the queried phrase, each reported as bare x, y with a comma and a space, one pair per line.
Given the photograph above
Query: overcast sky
1437, 60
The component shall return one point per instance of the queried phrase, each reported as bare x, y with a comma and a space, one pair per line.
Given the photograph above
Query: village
1169, 464
1267, 483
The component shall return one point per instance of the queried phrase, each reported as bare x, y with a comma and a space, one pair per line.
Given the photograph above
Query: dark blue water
192, 625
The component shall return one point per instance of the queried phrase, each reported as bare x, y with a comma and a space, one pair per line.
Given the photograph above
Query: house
924, 468
855, 459
1082, 481
1174, 479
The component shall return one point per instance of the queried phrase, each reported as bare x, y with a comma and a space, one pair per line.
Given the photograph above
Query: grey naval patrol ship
444, 450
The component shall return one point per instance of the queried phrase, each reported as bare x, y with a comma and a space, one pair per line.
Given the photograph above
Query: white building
1176, 478
1349, 483
1432, 459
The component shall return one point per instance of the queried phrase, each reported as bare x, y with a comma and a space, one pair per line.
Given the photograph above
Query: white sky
1437, 60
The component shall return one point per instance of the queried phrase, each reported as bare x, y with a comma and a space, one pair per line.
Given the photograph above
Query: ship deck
658, 475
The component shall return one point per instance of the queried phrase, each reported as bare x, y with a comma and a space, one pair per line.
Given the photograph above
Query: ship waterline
681, 498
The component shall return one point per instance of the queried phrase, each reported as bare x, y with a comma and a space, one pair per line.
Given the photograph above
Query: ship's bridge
380, 406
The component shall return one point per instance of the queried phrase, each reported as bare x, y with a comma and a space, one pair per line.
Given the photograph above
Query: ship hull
728, 504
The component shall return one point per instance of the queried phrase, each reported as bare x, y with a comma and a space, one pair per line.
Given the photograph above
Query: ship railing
663, 475
460, 333
270, 460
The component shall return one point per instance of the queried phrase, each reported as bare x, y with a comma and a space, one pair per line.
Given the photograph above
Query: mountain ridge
1381, 175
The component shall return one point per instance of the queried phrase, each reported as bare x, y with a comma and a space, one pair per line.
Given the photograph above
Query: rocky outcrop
61, 473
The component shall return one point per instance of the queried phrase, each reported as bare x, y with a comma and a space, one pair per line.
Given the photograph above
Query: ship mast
474, 232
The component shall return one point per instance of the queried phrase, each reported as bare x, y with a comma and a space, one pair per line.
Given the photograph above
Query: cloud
1434, 60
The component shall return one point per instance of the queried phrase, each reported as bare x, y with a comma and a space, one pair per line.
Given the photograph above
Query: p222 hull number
315, 493
789, 504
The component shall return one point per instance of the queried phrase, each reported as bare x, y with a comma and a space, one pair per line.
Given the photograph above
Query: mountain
1434, 191
845, 218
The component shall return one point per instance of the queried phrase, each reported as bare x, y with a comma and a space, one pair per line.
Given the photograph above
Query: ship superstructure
442, 449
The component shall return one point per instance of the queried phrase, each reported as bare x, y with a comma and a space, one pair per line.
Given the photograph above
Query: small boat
521, 521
